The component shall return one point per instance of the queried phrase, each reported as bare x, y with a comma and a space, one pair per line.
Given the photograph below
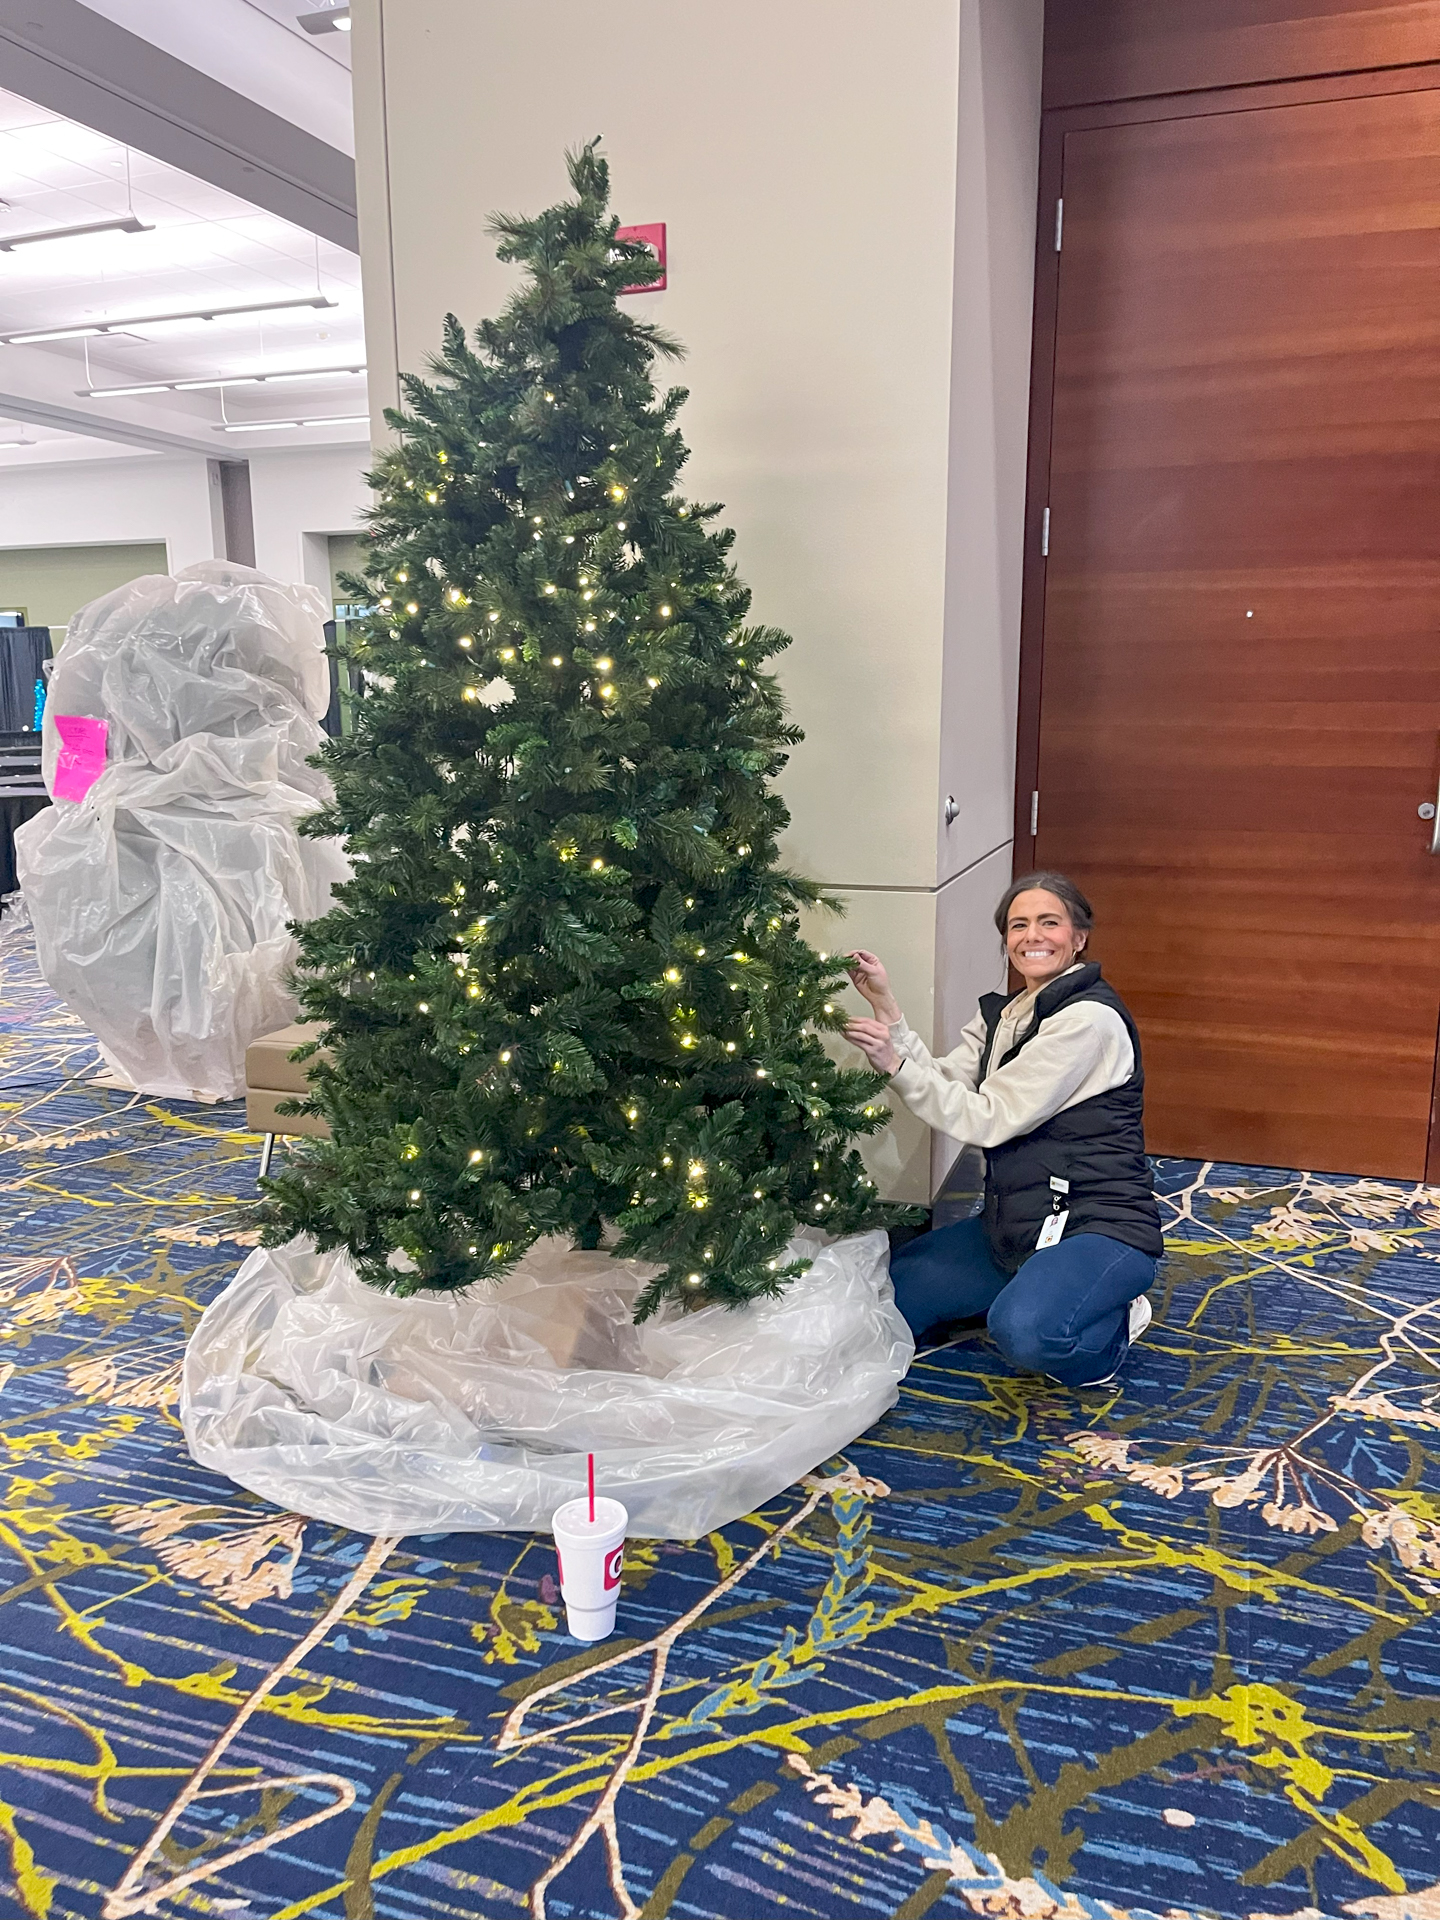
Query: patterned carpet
1163, 1648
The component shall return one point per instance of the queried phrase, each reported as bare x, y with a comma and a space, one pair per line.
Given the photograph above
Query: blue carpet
1162, 1648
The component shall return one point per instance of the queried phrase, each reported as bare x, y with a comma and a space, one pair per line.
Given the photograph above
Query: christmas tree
566, 990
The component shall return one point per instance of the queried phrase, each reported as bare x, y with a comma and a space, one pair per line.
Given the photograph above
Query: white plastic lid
574, 1522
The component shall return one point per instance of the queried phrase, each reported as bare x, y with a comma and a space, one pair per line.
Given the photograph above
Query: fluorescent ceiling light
269, 426
96, 329
19, 443
327, 20
127, 223
220, 380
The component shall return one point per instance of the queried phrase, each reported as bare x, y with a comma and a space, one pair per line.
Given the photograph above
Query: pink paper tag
81, 759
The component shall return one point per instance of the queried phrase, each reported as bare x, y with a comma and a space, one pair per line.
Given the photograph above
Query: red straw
590, 1471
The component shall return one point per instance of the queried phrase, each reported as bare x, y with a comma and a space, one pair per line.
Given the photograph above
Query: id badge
1053, 1228
1054, 1225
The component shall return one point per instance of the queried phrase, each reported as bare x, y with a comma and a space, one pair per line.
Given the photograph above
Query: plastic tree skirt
474, 1413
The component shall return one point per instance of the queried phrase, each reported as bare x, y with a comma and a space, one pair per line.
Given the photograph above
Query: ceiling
205, 249
256, 47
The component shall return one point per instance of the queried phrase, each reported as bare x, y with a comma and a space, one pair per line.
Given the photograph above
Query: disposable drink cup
591, 1554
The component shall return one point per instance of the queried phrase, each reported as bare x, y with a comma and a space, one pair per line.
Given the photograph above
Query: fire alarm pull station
653, 237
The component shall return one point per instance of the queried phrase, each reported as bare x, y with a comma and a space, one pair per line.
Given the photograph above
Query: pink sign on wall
652, 237
81, 759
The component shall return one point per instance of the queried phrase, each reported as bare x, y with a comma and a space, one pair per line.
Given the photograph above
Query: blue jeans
1064, 1313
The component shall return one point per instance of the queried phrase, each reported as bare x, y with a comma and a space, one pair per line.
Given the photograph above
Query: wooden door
1240, 677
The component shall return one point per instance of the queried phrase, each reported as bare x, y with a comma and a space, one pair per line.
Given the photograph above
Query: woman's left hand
872, 1037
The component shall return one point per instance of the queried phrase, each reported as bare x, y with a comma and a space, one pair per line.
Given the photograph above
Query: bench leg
265, 1153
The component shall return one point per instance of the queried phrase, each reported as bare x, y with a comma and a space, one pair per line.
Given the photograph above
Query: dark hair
1082, 914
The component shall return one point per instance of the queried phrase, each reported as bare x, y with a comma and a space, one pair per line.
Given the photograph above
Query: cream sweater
1080, 1051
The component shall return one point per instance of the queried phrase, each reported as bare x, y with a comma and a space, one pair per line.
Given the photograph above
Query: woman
1049, 1083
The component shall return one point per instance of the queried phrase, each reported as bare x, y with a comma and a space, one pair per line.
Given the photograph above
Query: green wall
52, 583
346, 556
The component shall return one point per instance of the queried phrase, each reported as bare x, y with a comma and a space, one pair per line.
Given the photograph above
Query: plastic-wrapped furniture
161, 900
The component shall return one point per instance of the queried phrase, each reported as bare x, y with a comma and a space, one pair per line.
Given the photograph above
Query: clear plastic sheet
160, 900
474, 1413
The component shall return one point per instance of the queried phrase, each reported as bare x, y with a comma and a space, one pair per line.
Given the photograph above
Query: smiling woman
1049, 1082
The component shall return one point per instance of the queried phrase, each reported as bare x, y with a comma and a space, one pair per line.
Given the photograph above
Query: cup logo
613, 1563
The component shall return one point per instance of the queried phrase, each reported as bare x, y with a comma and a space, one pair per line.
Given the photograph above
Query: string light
477, 1155
465, 640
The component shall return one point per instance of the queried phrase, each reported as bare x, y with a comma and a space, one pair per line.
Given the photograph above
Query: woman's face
1040, 937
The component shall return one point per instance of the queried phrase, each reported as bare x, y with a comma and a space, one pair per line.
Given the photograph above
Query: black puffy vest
1097, 1145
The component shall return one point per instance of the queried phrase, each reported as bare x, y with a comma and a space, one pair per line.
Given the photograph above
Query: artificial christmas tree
566, 990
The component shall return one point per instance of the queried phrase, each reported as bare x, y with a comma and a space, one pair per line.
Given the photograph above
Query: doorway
1231, 678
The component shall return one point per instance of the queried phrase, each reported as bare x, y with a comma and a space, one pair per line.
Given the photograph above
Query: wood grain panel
1099, 50
1240, 709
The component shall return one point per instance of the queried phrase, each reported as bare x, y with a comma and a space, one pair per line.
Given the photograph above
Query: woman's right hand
867, 970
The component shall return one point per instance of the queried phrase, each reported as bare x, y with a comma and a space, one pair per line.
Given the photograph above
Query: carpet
1162, 1648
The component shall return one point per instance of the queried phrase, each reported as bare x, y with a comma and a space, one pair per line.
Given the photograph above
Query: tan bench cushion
272, 1077
262, 1115
268, 1064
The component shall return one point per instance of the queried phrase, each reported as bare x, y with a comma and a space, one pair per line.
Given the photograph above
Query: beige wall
849, 193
